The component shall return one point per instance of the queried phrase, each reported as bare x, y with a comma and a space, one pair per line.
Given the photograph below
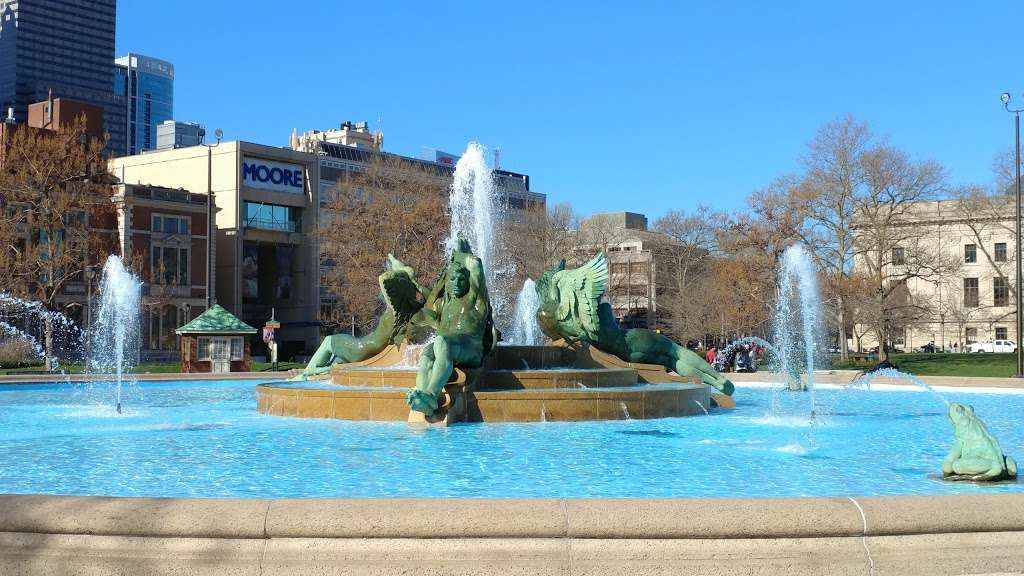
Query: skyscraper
147, 87
63, 46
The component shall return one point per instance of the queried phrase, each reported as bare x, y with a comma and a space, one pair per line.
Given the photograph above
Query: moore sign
267, 175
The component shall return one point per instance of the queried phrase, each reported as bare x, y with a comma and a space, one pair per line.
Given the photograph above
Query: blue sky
641, 106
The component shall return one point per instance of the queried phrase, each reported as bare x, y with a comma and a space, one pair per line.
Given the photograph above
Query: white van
997, 346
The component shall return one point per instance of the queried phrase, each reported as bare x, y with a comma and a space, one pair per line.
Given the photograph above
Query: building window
273, 217
897, 256
1000, 252
972, 335
170, 265
203, 352
164, 224
970, 292
1001, 291
236, 348
970, 253
1001, 333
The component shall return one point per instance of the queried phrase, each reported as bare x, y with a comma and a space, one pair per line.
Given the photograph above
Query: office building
973, 241
146, 86
174, 134
64, 48
265, 253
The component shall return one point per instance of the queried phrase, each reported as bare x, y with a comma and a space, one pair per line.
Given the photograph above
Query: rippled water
205, 439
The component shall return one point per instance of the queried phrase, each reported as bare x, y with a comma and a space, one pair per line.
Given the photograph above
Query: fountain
114, 336
27, 318
477, 213
525, 331
796, 318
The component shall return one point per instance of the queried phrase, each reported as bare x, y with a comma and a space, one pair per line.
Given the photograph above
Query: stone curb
163, 377
542, 518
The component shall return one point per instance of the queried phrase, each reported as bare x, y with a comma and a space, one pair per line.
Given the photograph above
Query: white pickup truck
997, 346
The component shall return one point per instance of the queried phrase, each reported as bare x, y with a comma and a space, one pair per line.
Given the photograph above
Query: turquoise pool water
205, 439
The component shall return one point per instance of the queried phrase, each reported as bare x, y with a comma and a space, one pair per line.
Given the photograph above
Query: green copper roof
216, 320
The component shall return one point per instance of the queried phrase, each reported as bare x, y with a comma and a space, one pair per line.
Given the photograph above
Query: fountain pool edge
905, 535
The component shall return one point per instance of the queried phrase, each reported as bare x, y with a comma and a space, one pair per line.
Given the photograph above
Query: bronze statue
399, 289
459, 310
975, 454
570, 308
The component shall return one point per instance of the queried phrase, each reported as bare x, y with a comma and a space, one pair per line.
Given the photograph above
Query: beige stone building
632, 264
265, 253
974, 302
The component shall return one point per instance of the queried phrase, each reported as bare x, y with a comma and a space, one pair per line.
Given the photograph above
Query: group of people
741, 358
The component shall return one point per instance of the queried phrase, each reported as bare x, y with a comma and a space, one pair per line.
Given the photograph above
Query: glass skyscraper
147, 88
63, 46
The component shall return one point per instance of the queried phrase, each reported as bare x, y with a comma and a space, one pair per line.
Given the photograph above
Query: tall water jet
525, 330
796, 318
114, 336
477, 214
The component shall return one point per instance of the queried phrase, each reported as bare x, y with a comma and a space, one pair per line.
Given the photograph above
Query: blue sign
268, 175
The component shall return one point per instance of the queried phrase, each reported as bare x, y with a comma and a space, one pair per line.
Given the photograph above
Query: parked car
929, 348
997, 346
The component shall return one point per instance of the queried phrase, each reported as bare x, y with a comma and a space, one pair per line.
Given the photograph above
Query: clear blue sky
642, 106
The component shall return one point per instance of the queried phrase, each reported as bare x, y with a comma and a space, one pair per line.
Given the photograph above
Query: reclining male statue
571, 309
459, 310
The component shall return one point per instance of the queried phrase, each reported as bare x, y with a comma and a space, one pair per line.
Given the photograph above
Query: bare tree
835, 175
393, 206
544, 235
892, 243
56, 197
684, 260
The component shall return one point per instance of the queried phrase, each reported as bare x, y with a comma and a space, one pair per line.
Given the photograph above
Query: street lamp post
209, 216
1016, 122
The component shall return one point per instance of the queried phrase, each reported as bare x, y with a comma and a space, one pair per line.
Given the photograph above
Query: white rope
864, 535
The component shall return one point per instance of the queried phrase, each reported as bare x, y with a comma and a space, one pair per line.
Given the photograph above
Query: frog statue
401, 293
571, 309
458, 309
976, 454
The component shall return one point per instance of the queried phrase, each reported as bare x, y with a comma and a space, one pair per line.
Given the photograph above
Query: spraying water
796, 317
524, 323
115, 333
476, 215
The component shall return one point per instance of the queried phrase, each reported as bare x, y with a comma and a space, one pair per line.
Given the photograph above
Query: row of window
970, 254
1000, 292
171, 224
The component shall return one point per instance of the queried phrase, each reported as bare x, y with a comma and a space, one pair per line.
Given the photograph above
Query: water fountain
477, 214
525, 331
797, 325
114, 336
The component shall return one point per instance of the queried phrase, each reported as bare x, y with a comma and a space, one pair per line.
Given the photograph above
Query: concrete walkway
844, 377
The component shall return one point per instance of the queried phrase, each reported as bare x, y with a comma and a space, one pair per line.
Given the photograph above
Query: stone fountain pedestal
561, 382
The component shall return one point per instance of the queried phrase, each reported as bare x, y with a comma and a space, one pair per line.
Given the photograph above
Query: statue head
960, 414
458, 281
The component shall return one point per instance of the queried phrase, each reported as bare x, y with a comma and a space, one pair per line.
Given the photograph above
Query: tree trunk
48, 342
844, 352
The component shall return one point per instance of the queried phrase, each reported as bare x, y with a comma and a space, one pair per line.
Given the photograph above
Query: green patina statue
976, 454
570, 308
459, 310
399, 289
